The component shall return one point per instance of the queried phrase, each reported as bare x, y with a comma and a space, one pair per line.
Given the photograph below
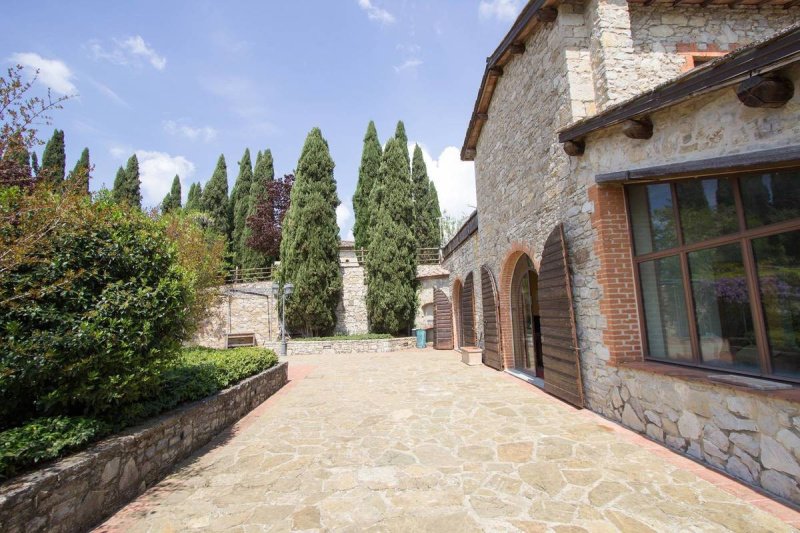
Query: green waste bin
421, 338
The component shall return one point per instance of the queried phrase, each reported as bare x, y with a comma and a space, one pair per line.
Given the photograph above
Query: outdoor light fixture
276, 291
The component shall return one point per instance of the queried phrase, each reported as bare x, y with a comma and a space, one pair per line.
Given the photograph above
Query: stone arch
504, 289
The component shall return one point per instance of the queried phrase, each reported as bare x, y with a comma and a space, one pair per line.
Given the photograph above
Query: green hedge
196, 374
365, 337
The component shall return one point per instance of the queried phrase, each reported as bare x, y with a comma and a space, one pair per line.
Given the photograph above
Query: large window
718, 269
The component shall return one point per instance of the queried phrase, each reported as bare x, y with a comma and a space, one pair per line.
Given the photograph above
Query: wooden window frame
744, 236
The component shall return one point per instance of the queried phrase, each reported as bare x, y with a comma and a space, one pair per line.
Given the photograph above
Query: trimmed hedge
194, 375
364, 337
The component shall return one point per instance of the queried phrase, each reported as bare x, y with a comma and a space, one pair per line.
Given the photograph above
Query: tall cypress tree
400, 135
35, 164
133, 186
263, 175
172, 201
120, 182
193, 199
310, 244
367, 176
426, 204
215, 199
240, 198
79, 176
54, 158
391, 257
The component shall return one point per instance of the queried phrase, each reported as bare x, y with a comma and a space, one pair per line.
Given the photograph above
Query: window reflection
707, 209
778, 264
771, 197
653, 218
665, 309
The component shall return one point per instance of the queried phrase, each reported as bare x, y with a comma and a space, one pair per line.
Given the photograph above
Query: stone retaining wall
81, 490
300, 347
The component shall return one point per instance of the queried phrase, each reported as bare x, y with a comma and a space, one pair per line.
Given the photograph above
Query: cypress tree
367, 176
79, 175
263, 175
215, 199
400, 135
310, 244
391, 256
240, 200
54, 158
120, 182
133, 185
194, 197
35, 164
426, 204
172, 201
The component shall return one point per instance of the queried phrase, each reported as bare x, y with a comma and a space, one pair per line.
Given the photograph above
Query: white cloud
120, 152
109, 93
345, 220
502, 10
128, 51
205, 133
454, 180
376, 13
407, 64
156, 171
53, 73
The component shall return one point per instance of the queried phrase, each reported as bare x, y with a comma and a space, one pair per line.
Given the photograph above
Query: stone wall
460, 264
333, 347
351, 314
81, 490
430, 277
242, 308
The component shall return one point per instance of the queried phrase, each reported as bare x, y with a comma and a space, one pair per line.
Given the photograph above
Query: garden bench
239, 340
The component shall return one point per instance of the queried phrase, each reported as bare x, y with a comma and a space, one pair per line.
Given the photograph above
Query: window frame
744, 236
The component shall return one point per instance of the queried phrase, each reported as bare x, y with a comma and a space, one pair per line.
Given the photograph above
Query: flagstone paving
418, 441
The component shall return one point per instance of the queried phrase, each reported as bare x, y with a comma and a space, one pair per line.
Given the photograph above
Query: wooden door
491, 328
468, 337
560, 354
442, 321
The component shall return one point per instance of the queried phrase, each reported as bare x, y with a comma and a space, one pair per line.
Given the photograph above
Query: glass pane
665, 309
771, 197
722, 308
707, 209
652, 217
778, 265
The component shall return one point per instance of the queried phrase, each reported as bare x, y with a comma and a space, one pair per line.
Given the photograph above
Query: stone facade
430, 277
594, 55
351, 315
78, 492
333, 347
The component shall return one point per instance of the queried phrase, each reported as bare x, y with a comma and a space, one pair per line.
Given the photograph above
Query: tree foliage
426, 204
215, 199
391, 256
309, 250
172, 201
194, 198
266, 224
79, 175
258, 195
240, 201
368, 173
54, 159
127, 185
400, 135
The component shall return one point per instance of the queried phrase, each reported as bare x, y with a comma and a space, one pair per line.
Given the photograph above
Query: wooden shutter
442, 321
468, 312
560, 355
491, 328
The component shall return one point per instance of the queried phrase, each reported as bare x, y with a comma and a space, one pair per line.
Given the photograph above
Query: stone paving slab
417, 441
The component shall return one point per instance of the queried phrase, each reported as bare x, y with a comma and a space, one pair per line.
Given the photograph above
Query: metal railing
249, 275
425, 256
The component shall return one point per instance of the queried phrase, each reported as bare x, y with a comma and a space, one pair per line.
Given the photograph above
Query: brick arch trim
508, 265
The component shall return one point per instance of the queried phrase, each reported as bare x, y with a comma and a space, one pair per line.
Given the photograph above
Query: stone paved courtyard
417, 441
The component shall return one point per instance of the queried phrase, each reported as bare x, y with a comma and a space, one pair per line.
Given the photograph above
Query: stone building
636, 244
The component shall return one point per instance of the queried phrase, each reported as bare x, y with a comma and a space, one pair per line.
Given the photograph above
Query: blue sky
181, 82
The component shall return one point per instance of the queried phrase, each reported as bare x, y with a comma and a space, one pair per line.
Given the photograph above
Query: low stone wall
751, 436
299, 347
81, 490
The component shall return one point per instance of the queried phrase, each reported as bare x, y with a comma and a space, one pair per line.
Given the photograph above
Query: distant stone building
636, 245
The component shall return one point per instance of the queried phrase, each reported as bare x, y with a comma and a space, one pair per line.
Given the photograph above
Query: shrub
90, 315
44, 439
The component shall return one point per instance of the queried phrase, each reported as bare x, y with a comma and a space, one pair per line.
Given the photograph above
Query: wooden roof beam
574, 148
547, 14
638, 128
517, 48
765, 91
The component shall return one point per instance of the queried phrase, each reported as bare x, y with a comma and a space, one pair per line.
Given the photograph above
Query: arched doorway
526, 319
442, 321
492, 355
467, 313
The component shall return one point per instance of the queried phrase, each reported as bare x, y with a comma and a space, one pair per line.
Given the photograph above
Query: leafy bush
44, 439
90, 316
195, 374
364, 337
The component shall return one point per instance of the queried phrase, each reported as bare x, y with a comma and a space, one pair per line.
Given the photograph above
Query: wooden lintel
574, 148
547, 14
765, 91
638, 128
496, 71
517, 48
482, 116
